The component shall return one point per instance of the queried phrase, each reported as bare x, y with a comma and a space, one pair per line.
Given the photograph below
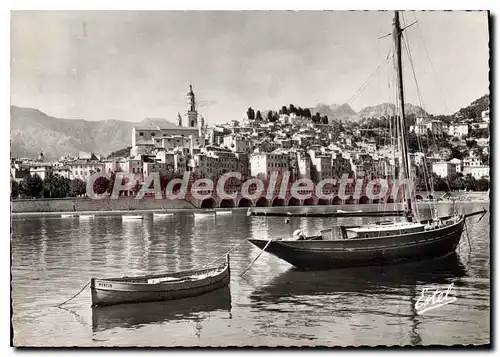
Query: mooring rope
229, 251
262, 251
467, 234
74, 296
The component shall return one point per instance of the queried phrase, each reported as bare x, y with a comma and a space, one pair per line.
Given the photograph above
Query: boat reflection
357, 296
135, 315
368, 280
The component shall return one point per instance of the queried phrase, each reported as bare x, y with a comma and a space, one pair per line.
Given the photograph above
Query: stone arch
262, 202
323, 202
350, 201
430, 197
336, 201
293, 201
244, 202
208, 203
226, 203
278, 202
309, 202
363, 200
390, 200
418, 197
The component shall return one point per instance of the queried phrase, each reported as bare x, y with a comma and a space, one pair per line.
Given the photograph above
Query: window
141, 134
153, 134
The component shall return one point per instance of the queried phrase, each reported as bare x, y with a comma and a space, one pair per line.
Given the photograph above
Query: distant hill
386, 109
474, 109
334, 111
33, 131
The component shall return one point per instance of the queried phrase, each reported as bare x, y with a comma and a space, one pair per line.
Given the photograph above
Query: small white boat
224, 212
86, 216
132, 217
162, 215
341, 211
67, 215
204, 214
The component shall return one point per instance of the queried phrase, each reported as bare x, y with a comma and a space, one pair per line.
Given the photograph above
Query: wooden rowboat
159, 287
134, 315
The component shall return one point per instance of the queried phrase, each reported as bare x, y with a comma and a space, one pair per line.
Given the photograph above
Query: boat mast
402, 120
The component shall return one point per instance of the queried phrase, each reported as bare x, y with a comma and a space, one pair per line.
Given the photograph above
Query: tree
77, 188
482, 185
269, 116
316, 118
56, 186
32, 186
284, 110
471, 144
292, 109
307, 113
251, 113
258, 116
324, 119
456, 154
14, 188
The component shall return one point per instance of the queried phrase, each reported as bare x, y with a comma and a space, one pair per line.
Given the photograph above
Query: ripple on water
273, 304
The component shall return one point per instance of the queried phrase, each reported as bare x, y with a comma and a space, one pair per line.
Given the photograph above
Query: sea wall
87, 204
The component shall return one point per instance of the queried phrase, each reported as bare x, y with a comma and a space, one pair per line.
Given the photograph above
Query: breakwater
87, 204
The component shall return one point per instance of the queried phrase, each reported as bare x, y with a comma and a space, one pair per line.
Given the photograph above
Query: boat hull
106, 292
327, 254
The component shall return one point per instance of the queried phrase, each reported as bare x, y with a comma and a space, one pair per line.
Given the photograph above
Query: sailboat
377, 243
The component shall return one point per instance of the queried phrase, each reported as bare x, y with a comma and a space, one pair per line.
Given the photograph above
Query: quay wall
87, 204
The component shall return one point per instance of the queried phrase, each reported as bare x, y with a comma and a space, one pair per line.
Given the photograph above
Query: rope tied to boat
467, 235
74, 296
257, 257
224, 255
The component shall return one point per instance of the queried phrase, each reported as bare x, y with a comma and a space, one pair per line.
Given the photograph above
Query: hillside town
455, 154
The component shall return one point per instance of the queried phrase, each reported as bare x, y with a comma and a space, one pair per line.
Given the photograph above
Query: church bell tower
192, 114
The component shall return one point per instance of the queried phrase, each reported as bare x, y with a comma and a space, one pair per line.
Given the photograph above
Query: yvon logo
432, 298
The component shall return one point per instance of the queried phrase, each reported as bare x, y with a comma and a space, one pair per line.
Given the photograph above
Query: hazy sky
131, 65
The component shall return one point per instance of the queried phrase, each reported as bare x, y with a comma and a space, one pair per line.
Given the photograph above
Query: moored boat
132, 217
382, 242
132, 315
162, 215
223, 212
86, 216
204, 214
159, 287
68, 215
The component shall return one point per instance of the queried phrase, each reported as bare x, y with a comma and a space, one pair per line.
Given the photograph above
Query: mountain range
33, 131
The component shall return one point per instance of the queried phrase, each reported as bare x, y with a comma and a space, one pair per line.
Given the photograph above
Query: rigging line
419, 141
420, 99
432, 66
367, 82
407, 47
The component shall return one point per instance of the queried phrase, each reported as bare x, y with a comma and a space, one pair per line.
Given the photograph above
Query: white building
263, 164
237, 143
458, 129
457, 164
443, 169
478, 172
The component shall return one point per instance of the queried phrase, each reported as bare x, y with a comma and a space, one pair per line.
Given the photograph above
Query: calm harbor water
272, 305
